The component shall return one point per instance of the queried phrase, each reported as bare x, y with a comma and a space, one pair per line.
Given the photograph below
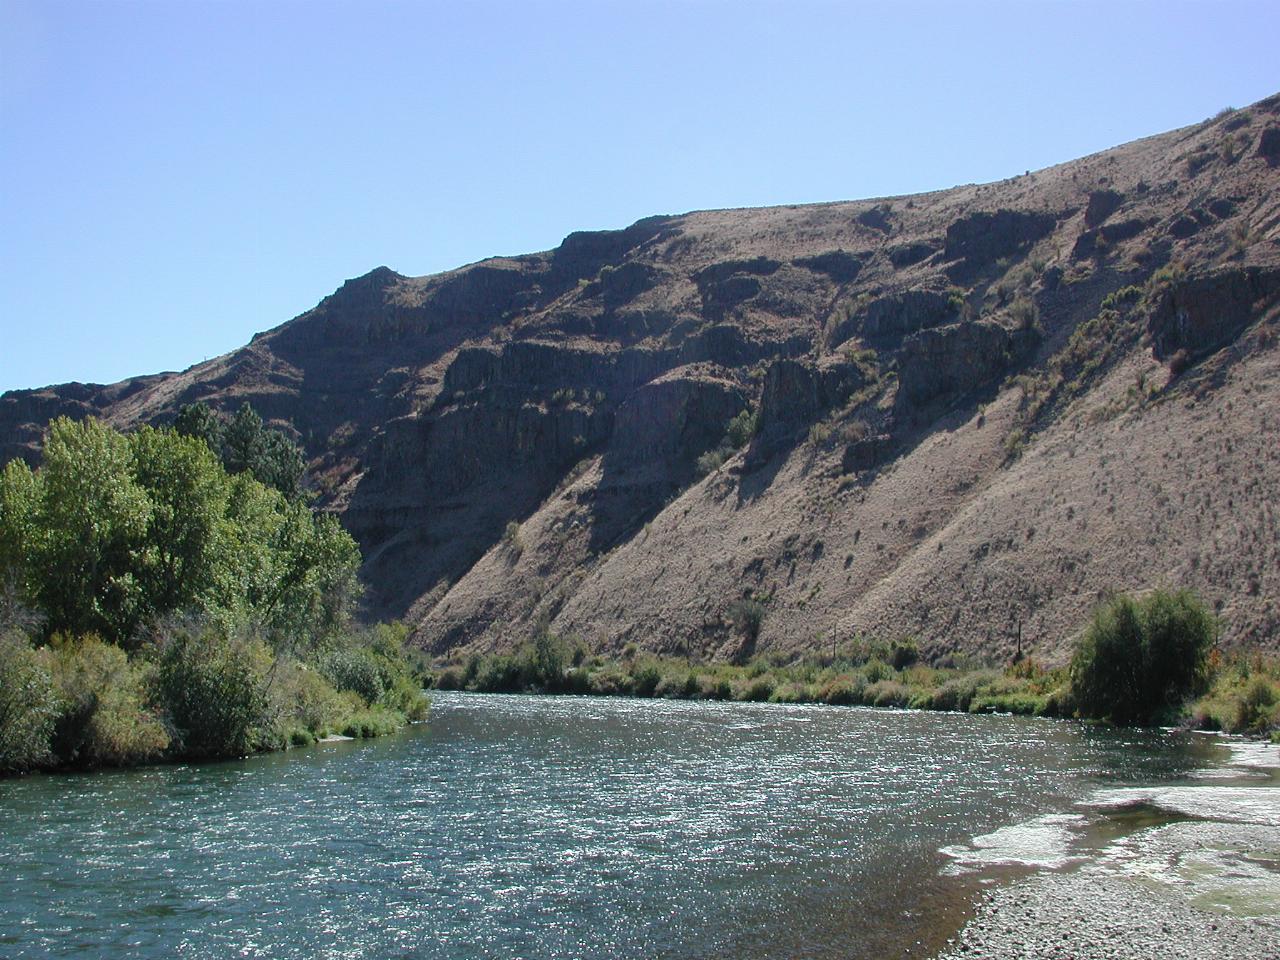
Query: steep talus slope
977, 410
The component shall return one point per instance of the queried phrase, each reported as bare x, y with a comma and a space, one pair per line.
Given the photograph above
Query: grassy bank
1241, 694
865, 674
193, 692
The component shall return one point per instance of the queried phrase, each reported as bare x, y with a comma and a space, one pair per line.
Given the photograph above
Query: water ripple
549, 827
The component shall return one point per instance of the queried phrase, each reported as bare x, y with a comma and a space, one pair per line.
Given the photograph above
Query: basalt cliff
971, 413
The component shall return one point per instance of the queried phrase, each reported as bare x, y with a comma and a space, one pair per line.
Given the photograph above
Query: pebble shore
1188, 890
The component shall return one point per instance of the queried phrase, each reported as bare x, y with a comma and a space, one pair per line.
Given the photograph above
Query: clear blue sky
175, 176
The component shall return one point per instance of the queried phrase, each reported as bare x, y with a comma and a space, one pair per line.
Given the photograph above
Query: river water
566, 827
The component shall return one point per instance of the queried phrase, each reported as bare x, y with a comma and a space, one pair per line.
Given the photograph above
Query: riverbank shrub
192, 691
28, 706
214, 691
1140, 659
844, 680
1243, 696
169, 608
103, 717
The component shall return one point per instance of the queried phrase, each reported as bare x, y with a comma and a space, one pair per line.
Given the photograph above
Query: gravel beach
1194, 888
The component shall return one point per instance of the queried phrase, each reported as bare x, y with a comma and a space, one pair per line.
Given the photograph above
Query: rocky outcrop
796, 393
1269, 145
676, 416
527, 369
906, 254
1202, 313
952, 360
865, 453
1102, 204
907, 312
725, 285
573, 391
582, 254
877, 218
979, 239
1096, 242
620, 285
891, 317
840, 265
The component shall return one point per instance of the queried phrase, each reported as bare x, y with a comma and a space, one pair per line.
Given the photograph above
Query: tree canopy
115, 530
245, 444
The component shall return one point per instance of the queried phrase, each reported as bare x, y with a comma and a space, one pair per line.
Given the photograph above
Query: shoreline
1203, 881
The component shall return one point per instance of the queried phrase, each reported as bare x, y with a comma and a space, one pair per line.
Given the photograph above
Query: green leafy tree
281, 465
1138, 660
198, 420
19, 497
246, 445
91, 520
287, 571
188, 492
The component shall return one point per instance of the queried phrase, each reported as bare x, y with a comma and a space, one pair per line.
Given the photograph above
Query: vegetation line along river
563, 827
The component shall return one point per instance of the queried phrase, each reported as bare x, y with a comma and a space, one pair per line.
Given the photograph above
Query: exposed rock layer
979, 409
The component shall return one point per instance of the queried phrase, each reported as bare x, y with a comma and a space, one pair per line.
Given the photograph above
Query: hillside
978, 410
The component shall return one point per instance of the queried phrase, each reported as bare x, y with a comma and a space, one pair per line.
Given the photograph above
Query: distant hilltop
961, 417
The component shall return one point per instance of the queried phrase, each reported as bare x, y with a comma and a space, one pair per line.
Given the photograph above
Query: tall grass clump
1243, 696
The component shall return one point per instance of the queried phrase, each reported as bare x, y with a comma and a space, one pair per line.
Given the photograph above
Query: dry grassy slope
571, 391
951, 542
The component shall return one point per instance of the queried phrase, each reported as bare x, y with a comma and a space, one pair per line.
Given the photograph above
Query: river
559, 827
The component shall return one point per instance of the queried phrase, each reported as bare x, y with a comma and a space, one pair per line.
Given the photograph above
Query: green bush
214, 691
645, 678
714, 688
957, 693
373, 722
741, 429
793, 693
545, 661
675, 686
1021, 702
1255, 710
358, 670
1244, 697
887, 693
375, 667
497, 674
903, 654
304, 700
28, 706
747, 617
876, 670
102, 718
845, 691
450, 678
610, 682
1139, 660
756, 690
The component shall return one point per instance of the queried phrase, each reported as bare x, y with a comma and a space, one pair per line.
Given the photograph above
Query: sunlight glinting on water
556, 827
